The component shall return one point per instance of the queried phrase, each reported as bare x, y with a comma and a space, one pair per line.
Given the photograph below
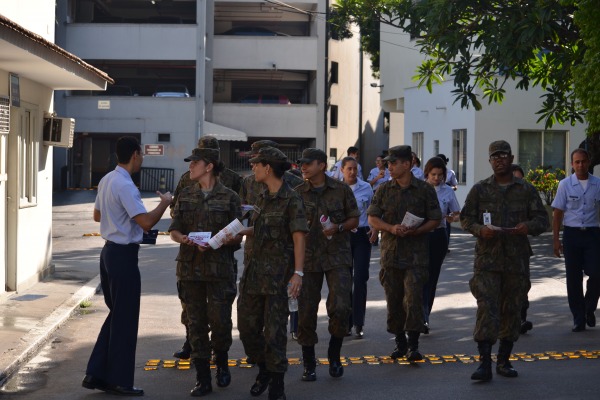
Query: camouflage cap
310, 154
259, 144
208, 142
211, 155
269, 154
500, 146
397, 152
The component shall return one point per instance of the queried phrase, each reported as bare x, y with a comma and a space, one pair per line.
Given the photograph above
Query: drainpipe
360, 107
326, 76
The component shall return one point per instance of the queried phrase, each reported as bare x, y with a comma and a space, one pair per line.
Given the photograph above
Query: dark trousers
361, 258
438, 247
582, 255
113, 356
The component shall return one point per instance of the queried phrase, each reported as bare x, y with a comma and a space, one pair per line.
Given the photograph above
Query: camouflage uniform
501, 274
262, 304
329, 258
404, 260
205, 279
249, 193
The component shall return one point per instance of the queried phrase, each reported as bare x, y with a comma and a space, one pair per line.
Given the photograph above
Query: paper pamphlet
326, 223
411, 220
230, 231
200, 238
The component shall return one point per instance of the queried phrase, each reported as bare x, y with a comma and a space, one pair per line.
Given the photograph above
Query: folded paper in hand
225, 234
200, 238
411, 220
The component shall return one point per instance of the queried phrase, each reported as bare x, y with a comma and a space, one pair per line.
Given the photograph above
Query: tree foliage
483, 45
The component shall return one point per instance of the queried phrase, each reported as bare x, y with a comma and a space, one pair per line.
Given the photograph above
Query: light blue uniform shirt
580, 208
374, 172
418, 173
363, 194
118, 201
448, 202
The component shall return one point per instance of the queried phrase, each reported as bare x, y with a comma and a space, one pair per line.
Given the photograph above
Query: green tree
487, 44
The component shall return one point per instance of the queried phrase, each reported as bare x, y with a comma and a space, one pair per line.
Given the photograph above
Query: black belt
362, 229
582, 228
119, 244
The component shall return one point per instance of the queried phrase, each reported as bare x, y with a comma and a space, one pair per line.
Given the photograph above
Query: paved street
57, 371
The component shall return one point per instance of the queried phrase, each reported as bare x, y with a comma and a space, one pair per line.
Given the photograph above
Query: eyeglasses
501, 156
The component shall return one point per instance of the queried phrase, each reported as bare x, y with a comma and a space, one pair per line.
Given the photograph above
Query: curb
40, 334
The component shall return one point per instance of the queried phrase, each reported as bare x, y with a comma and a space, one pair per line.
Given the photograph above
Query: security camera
373, 85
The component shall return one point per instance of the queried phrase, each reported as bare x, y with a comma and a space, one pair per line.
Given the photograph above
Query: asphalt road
57, 371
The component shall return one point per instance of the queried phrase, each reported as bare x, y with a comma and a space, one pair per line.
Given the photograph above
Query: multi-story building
239, 70
31, 68
431, 123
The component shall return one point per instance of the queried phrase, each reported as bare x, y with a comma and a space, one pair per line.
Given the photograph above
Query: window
436, 147
542, 148
386, 122
417, 144
334, 72
333, 116
459, 154
28, 160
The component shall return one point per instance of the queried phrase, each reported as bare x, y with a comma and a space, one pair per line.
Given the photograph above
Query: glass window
459, 155
417, 144
28, 160
333, 116
542, 148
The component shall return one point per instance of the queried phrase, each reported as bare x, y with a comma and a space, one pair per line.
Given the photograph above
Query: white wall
34, 15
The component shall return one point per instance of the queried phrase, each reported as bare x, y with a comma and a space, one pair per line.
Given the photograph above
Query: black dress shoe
125, 390
590, 319
578, 328
336, 369
223, 376
358, 332
526, 326
89, 382
309, 374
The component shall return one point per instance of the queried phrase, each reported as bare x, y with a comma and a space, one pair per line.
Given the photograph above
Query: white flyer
411, 220
227, 233
200, 238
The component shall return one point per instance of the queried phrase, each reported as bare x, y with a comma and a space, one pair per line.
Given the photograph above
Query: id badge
487, 218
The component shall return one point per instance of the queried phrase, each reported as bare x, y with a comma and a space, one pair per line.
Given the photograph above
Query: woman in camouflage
274, 271
206, 276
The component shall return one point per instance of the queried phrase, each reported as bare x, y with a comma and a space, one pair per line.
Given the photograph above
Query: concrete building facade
239, 70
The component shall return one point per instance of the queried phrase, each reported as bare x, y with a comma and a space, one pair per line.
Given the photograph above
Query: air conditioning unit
59, 132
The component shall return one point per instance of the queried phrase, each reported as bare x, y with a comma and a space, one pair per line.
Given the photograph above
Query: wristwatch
341, 228
299, 273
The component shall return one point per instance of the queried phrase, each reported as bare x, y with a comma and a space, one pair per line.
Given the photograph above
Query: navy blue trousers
582, 255
361, 258
113, 356
438, 247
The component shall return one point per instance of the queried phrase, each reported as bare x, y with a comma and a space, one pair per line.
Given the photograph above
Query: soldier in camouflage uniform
404, 249
232, 181
501, 211
328, 255
278, 227
204, 274
249, 193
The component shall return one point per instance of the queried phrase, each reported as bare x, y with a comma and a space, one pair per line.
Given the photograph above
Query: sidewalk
30, 318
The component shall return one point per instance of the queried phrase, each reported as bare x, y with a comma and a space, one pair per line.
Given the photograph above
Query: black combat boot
186, 349
413, 346
484, 372
276, 387
401, 347
223, 374
203, 380
336, 370
262, 380
310, 364
503, 365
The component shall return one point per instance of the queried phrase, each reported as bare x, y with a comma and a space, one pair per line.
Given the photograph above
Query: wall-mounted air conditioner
59, 132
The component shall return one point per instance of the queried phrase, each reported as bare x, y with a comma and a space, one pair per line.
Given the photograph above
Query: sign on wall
154, 149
